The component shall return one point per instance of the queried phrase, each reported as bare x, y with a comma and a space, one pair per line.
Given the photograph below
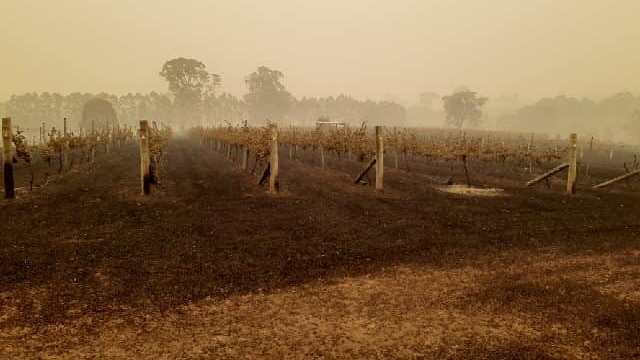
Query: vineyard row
58, 149
361, 144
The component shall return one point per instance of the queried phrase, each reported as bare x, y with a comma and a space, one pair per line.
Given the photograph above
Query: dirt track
211, 266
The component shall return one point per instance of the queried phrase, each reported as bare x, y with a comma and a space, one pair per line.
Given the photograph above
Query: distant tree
556, 115
213, 85
632, 127
506, 101
31, 110
188, 81
26, 108
428, 99
72, 108
97, 113
161, 107
267, 98
52, 105
223, 107
384, 112
463, 106
346, 108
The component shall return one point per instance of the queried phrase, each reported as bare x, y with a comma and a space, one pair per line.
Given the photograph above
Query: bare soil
212, 267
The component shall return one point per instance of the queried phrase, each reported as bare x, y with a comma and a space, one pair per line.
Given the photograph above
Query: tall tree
463, 106
267, 98
188, 81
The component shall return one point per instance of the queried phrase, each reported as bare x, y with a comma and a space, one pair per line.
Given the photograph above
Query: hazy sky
370, 49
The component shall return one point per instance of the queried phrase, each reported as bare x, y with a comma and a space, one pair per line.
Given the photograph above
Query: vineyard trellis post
65, 147
9, 184
573, 164
145, 178
93, 144
548, 174
395, 147
379, 160
617, 179
611, 153
530, 153
108, 138
274, 185
348, 133
245, 157
292, 130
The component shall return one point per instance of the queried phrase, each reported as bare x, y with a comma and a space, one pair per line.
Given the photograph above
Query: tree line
193, 98
615, 117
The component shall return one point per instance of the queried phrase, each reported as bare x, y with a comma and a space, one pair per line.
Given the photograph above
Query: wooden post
292, 141
145, 178
295, 144
618, 179
322, 156
530, 154
379, 160
65, 148
611, 152
245, 158
9, 184
395, 157
116, 137
107, 141
364, 172
265, 173
274, 185
573, 164
395, 147
548, 174
466, 171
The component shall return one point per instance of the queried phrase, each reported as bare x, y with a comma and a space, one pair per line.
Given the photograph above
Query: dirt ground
212, 267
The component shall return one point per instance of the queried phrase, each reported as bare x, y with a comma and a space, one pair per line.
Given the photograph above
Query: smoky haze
513, 52
369, 49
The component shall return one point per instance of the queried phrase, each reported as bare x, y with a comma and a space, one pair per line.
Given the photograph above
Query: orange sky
370, 49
